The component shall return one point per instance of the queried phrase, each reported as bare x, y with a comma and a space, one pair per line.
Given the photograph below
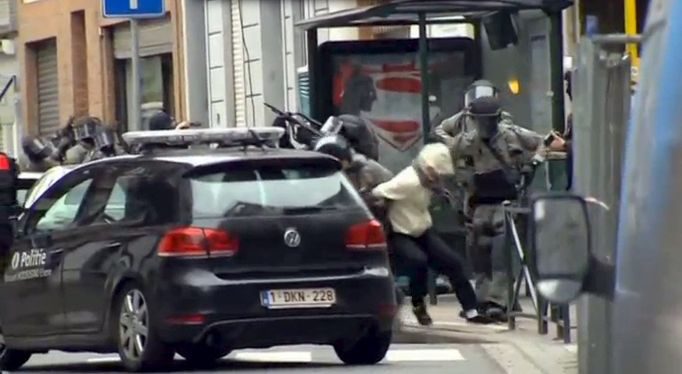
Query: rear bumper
231, 313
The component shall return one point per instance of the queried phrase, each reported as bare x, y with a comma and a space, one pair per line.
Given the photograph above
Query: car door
31, 288
89, 268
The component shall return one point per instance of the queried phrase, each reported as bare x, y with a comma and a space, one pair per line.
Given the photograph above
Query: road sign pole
136, 120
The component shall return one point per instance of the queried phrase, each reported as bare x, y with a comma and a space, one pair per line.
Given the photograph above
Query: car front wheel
11, 359
369, 350
139, 346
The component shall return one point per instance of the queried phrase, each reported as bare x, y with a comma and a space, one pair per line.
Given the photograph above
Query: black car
198, 252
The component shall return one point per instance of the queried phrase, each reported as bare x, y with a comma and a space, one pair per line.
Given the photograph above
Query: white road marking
100, 360
573, 348
393, 355
406, 355
275, 356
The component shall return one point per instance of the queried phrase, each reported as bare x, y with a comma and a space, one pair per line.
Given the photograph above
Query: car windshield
267, 190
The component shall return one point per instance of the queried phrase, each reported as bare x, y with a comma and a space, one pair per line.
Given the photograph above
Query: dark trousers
415, 255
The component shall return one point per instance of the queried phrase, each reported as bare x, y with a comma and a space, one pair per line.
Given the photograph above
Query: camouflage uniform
79, 154
516, 146
365, 174
37, 166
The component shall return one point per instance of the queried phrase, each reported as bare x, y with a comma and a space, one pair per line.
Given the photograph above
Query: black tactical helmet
37, 149
161, 121
480, 88
335, 146
486, 111
360, 136
86, 128
105, 139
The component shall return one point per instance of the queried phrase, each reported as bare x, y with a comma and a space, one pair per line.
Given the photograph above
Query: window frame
55, 193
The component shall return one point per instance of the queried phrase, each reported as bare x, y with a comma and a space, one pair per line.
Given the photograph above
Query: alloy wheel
134, 325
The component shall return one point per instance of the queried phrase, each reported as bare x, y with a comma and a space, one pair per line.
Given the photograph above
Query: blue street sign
133, 8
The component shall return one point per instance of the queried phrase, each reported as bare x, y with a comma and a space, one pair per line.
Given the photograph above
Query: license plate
298, 298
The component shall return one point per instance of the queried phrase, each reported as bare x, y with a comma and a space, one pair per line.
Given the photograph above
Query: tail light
366, 236
5, 164
197, 242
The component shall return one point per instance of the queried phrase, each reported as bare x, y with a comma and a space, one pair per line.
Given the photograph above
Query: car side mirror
561, 246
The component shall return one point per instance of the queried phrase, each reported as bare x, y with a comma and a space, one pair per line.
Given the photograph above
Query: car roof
202, 156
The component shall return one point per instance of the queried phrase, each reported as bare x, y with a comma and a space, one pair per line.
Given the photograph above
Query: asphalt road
402, 358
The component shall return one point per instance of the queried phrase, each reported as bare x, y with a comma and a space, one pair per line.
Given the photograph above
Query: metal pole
424, 71
135, 122
557, 172
314, 102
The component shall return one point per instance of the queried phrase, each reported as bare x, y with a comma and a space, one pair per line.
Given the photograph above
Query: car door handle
57, 251
115, 245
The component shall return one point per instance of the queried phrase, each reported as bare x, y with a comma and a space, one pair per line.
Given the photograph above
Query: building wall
84, 54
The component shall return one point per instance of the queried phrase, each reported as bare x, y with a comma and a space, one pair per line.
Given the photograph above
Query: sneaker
422, 315
495, 311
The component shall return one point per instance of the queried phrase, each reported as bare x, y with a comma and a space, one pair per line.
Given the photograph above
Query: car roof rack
222, 137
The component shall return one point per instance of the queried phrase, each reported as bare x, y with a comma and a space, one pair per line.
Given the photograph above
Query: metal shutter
156, 37
238, 64
48, 88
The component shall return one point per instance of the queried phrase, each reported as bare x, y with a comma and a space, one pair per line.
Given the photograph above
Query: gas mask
487, 126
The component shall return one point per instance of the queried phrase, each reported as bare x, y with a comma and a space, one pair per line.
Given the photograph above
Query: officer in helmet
360, 135
41, 155
85, 130
365, 173
163, 121
446, 131
106, 143
498, 155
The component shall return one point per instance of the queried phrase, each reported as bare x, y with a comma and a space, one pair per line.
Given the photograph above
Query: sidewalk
519, 351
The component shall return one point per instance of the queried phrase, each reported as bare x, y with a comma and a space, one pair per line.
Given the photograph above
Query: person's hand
183, 125
558, 144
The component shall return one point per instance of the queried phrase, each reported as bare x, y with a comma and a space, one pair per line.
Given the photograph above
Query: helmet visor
477, 92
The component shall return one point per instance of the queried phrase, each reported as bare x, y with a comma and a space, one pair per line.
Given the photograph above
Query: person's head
161, 121
106, 139
337, 147
37, 149
435, 162
85, 129
360, 136
486, 113
478, 89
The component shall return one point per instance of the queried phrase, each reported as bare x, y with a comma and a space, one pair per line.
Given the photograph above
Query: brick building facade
74, 62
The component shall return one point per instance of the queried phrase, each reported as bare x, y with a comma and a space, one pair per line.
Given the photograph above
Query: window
114, 210
63, 212
265, 190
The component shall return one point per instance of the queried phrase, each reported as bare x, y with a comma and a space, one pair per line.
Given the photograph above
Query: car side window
114, 210
62, 213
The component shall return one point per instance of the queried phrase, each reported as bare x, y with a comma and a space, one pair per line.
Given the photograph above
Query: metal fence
601, 113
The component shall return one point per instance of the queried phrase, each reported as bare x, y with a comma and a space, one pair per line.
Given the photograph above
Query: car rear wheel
202, 354
139, 346
369, 350
11, 359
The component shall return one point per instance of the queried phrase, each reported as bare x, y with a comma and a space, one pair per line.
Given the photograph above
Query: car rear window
268, 190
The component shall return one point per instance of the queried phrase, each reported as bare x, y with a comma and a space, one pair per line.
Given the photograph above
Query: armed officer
499, 155
41, 155
85, 130
461, 121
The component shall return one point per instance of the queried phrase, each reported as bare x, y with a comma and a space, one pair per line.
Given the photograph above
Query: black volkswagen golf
199, 252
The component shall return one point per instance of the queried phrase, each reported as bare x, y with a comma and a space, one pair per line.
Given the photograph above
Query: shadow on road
178, 366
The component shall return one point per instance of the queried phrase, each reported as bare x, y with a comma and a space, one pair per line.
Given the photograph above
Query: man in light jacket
416, 245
